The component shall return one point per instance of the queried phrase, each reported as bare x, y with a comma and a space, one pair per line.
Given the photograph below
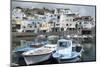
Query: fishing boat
17, 52
52, 42
27, 45
67, 52
24, 47
36, 56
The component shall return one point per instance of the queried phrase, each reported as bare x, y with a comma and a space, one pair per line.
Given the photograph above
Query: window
64, 44
23, 26
73, 19
80, 23
43, 17
17, 17
85, 22
30, 26
57, 24
33, 22
35, 26
18, 26
62, 29
38, 22
58, 17
51, 15
66, 24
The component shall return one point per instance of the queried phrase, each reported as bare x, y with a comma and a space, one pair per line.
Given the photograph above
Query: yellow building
44, 26
18, 21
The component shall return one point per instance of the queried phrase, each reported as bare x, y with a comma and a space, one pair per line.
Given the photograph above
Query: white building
64, 19
61, 20
86, 22
30, 26
17, 13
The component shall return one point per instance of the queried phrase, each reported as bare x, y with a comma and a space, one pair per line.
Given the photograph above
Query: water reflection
89, 53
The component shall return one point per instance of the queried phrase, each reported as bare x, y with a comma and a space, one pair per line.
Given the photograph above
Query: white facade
61, 20
87, 25
67, 22
66, 17
17, 13
30, 26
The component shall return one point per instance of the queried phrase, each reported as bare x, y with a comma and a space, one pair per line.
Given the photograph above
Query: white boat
52, 42
65, 51
36, 56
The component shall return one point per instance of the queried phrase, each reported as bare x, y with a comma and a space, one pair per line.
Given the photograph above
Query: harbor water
89, 53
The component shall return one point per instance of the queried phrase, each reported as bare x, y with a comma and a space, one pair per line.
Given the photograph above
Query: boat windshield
52, 41
64, 44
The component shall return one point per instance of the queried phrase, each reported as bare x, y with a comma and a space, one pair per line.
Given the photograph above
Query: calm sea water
89, 54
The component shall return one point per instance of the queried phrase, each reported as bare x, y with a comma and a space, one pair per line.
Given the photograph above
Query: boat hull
33, 59
74, 58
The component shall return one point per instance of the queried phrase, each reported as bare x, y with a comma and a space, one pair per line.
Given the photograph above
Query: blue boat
65, 53
25, 46
23, 49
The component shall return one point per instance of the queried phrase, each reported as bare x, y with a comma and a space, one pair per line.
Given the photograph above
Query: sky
82, 10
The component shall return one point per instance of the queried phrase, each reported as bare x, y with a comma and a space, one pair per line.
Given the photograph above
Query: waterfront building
60, 20
86, 22
44, 27
17, 13
65, 19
